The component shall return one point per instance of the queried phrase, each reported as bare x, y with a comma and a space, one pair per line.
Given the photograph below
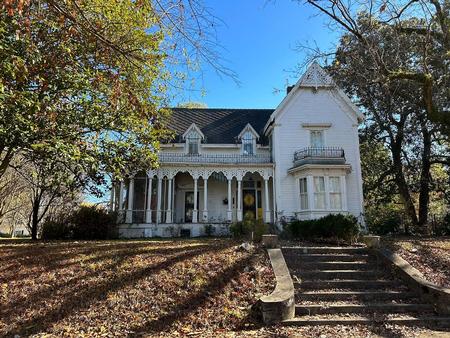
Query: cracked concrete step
348, 295
338, 274
334, 266
401, 320
324, 250
294, 258
362, 308
347, 283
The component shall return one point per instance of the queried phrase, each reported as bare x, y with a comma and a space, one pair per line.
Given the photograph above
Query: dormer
248, 137
193, 137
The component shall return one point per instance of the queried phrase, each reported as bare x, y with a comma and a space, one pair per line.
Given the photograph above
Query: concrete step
359, 295
333, 266
294, 257
324, 250
347, 284
400, 320
338, 274
362, 308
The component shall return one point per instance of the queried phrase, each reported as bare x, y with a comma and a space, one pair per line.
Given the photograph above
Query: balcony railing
214, 158
319, 155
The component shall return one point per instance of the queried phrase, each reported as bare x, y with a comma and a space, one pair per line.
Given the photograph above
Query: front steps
348, 286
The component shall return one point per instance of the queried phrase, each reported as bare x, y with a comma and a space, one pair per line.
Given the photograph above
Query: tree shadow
75, 299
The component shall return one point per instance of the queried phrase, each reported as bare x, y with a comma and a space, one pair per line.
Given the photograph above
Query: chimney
289, 88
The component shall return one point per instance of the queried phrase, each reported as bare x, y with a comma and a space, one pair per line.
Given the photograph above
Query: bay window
335, 193
319, 192
303, 194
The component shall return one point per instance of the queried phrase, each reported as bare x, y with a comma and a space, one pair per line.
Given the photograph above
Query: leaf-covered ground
196, 288
431, 256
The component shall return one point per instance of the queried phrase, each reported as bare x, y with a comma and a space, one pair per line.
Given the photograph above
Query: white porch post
229, 211
148, 210
169, 202
158, 206
239, 201
205, 199
195, 212
266, 195
129, 218
121, 196
112, 197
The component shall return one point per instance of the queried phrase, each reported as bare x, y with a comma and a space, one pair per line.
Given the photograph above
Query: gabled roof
219, 125
193, 127
249, 128
315, 77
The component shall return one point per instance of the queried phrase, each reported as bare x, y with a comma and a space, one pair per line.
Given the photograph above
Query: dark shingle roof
219, 125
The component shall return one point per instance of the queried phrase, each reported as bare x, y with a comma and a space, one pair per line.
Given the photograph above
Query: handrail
319, 152
214, 158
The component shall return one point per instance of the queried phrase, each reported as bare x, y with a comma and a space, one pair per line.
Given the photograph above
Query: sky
259, 39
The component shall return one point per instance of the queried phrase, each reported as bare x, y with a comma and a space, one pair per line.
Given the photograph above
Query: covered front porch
193, 196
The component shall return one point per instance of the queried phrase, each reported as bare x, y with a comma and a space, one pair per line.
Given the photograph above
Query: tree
427, 21
396, 116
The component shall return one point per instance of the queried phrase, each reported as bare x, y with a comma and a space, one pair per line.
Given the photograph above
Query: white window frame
322, 193
255, 136
303, 195
193, 129
322, 132
337, 193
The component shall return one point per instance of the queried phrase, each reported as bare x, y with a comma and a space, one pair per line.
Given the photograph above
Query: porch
195, 195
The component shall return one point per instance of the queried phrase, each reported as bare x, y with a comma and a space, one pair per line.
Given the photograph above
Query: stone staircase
347, 285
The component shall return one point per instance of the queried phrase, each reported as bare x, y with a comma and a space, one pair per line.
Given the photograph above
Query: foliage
384, 219
443, 229
92, 222
208, 230
55, 229
249, 228
334, 226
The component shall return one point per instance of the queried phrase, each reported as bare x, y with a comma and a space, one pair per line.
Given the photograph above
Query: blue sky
259, 38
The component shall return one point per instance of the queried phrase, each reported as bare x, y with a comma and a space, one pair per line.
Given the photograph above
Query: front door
249, 207
188, 206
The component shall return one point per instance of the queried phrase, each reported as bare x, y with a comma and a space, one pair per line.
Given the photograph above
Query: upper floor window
317, 138
193, 141
248, 143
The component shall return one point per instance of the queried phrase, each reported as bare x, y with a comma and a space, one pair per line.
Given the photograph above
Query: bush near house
248, 226
333, 226
86, 222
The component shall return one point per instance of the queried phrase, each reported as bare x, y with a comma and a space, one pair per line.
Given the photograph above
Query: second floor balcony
319, 155
215, 158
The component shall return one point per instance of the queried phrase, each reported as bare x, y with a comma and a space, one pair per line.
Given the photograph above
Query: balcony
214, 158
319, 155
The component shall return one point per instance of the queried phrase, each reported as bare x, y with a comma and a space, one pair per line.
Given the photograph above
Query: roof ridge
219, 108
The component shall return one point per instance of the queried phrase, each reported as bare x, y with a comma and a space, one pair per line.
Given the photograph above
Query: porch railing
320, 155
214, 158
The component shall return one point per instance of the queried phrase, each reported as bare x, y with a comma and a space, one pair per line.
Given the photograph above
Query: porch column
229, 211
205, 200
112, 197
239, 201
129, 217
158, 202
121, 196
195, 212
169, 203
266, 195
148, 210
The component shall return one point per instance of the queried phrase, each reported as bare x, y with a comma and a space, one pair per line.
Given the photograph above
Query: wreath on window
249, 200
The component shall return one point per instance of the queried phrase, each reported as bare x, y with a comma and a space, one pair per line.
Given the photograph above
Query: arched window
247, 143
193, 140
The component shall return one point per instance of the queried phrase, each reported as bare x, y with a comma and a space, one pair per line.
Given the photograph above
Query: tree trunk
35, 219
424, 191
402, 185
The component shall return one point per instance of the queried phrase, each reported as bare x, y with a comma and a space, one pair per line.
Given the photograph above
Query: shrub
444, 228
248, 226
209, 230
92, 222
336, 226
383, 221
55, 229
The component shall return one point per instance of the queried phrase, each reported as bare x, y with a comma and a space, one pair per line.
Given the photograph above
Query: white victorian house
300, 160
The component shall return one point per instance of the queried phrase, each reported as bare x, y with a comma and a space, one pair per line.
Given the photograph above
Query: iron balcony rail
214, 158
319, 153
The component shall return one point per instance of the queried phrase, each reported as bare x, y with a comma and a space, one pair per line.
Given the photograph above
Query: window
303, 194
193, 140
319, 192
247, 143
317, 139
335, 193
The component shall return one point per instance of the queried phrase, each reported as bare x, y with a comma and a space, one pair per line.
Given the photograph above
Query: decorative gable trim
315, 77
249, 128
194, 127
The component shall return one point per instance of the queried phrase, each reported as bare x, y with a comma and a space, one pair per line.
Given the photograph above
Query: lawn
200, 288
431, 256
